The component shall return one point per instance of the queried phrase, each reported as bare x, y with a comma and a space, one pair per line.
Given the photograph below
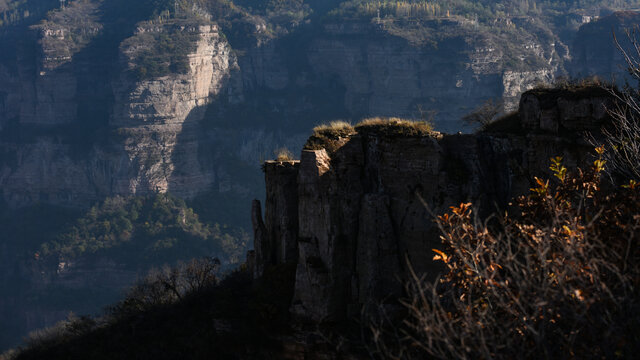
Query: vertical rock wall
276, 237
365, 210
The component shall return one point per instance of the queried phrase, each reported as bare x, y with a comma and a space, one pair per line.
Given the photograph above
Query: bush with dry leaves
559, 279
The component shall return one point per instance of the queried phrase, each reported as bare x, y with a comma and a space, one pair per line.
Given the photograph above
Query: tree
622, 138
484, 114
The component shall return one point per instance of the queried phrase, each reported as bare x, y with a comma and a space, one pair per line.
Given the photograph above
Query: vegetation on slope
45, 243
154, 230
162, 53
556, 277
181, 312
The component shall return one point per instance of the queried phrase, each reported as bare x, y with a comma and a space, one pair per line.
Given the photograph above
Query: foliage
16, 11
163, 53
210, 318
560, 279
482, 10
137, 230
168, 285
622, 138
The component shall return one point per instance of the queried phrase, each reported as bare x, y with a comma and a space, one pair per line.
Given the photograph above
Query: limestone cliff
361, 211
594, 49
158, 119
56, 151
69, 94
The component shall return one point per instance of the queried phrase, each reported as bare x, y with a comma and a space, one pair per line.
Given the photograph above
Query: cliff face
389, 75
158, 119
148, 137
104, 131
364, 211
594, 49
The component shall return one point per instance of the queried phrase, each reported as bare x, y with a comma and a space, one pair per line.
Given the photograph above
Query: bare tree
622, 138
169, 284
484, 114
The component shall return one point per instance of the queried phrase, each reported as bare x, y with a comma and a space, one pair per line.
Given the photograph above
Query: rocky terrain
81, 121
105, 131
341, 227
356, 214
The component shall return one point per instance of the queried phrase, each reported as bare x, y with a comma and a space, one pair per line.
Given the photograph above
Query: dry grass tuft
283, 154
394, 127
329, 136
334, 129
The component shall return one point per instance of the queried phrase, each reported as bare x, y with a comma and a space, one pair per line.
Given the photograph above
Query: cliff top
588, 88
333, 135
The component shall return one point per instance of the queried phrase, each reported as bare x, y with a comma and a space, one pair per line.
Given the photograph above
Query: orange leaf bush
558, 278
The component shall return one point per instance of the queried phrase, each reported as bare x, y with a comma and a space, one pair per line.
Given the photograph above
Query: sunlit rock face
158, 119
147, 142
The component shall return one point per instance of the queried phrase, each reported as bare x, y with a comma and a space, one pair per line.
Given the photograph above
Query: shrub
560, 279
622, 138
169, 285
162, 53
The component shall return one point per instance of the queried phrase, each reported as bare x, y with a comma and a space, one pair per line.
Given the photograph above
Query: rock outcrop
365, 210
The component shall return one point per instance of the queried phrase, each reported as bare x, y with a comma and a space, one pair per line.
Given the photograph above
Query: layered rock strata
149, 141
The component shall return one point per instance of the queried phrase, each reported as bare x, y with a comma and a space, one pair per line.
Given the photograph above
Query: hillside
341, 233
113, 101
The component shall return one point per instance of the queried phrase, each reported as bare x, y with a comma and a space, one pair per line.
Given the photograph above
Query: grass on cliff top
331, 136
328, 136
394, 126
575, 88
283, 154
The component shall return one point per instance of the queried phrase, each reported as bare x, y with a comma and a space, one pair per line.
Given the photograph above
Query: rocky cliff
145, 139
354, 215
70, 95
595, 52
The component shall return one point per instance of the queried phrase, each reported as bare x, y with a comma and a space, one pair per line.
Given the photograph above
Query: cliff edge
357, 208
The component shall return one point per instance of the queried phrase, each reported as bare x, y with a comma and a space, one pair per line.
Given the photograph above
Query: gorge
99, 103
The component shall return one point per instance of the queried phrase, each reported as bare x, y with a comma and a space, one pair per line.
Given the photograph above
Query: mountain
107, 99
343, 226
